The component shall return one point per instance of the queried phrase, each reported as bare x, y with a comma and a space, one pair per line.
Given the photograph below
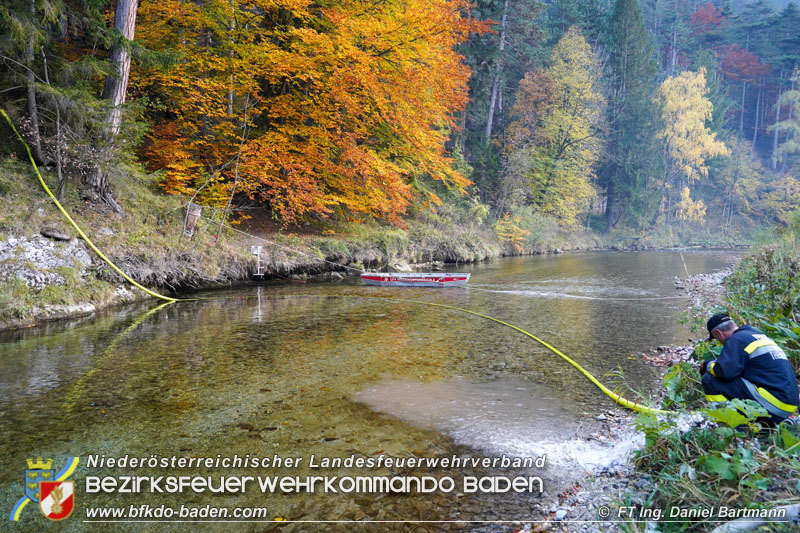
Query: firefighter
751, 367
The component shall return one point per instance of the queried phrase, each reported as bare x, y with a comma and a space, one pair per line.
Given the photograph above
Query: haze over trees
620, 116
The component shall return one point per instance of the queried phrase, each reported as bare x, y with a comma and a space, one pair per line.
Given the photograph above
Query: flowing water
296, 370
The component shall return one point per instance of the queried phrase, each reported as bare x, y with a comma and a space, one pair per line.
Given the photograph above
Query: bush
719, 460
764, 291
527, 231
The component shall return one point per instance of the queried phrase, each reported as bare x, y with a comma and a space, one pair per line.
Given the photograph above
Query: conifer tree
630, 114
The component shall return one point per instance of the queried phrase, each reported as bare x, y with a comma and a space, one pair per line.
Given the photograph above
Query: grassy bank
39, 279
729, 460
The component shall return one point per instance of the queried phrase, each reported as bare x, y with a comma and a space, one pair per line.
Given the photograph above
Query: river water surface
299, 369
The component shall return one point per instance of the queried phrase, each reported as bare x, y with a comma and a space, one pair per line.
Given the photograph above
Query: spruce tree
630, 153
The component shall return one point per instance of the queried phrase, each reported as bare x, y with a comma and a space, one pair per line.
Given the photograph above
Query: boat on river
415, 279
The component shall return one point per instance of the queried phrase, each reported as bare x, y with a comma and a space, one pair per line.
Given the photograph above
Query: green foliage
555, 139
737, 413
790, 441
701, 466
730, 467
631, 154
528, 231
765, 291
704, 465
740, 177
15, 299
790, 125
682, 385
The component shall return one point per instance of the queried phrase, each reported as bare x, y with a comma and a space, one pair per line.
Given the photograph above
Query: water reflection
276, 369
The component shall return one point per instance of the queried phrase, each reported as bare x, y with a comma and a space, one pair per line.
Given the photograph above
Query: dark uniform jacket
751, 355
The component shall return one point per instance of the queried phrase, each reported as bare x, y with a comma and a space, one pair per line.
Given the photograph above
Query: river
302, 369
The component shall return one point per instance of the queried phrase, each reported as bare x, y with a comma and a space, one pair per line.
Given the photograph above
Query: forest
612, 116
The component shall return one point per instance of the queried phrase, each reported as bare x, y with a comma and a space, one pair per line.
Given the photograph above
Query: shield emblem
33, 477
57, 499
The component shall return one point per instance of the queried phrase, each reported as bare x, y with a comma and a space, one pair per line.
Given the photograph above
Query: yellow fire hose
614, 396
611, 394
72, 222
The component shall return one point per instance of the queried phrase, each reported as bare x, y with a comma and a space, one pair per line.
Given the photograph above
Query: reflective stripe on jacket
769, 377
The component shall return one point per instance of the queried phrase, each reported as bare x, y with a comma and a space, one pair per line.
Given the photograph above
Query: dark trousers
732, 389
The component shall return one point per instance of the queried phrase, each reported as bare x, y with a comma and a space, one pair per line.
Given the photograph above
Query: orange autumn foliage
316, 108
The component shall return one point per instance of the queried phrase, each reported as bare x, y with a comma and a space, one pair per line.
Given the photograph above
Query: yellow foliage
690, 210
554, 139
508, 230
684, 111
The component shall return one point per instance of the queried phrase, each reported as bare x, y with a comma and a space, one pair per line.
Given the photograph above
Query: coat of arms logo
50, 488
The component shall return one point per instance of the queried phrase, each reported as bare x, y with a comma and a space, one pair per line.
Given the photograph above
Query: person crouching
750, 367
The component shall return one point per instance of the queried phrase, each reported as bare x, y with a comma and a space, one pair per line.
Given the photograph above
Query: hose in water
635, 406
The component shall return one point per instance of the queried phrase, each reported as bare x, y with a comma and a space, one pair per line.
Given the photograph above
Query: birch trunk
741, 109
758, 113
777, 119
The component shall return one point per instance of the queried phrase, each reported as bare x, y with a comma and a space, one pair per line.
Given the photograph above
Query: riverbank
619, 483
694, 466
48, 273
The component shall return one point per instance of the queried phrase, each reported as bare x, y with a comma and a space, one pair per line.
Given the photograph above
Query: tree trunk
33, 113
777, 119
116, 84
231, 27
498, 72
674, 40
609, 208
59, 138
115, 88
758, 113
674, 52
462, 135
791, 114
741, 110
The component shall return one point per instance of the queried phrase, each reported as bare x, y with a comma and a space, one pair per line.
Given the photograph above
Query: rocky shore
577, 508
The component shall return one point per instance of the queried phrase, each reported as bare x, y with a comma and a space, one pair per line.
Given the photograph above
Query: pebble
561, 514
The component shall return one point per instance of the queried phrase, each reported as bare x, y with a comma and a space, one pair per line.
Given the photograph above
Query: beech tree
342, 110
556, 134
